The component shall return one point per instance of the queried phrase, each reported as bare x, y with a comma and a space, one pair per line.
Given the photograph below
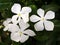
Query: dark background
43, 37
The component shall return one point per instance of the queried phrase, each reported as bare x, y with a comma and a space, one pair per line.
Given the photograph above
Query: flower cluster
18, 24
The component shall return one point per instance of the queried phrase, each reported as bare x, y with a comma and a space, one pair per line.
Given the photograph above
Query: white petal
49, 26
29, 32
19, 19
7, 21
26, 9
15, 37
25, 17
13, 28
6, 28
50, 15
39, 26
40, 12
14, 19
16, 8
23, 25
23, 38
34, 18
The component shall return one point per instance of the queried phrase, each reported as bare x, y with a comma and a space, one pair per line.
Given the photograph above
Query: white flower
42, 20
21, 34
20, 13
6, 23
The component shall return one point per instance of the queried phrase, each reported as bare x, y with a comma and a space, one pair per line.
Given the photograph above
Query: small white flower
20, 13
21, 34
42, 20
6, 23
9, 26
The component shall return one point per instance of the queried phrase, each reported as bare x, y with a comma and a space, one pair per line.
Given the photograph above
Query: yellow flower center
42, 19
19, 14
21, 33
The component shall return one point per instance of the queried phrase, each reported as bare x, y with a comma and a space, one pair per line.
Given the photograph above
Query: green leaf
43, 35
4, 6
16, 43
6, 14
34, 8
52, 7
3, 43
2, 1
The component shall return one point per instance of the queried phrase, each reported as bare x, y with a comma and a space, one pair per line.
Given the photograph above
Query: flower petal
7, 21
14, 19
39, 26
29, 32
49, 26
34, 18
50, 15
16, 8
26, 9
13, 28
15, 37
25, 17
23, 38
40, 12
6, 28
23, 25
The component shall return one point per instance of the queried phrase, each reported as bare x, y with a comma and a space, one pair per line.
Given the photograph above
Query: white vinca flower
21, 33
6, 23
20, 13
42, 20
9, 25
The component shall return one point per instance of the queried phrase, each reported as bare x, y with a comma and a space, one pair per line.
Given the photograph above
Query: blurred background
43, 37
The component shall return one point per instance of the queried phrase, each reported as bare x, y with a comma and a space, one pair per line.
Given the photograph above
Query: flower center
42, 19
19, 14
20, 33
